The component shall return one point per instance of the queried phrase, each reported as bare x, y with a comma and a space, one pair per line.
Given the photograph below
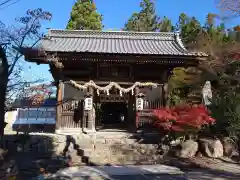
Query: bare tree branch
6, 3
229, 6
25, 32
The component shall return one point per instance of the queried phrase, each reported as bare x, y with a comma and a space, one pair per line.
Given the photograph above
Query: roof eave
34, 55
181, 45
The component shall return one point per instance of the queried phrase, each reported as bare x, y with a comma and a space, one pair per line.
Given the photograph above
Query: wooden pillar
165, 94
131, 114
96, 100
59, 104
91, 114
137, 91
84, 120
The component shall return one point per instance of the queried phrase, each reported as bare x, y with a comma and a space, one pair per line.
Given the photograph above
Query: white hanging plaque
88, 104
139, 104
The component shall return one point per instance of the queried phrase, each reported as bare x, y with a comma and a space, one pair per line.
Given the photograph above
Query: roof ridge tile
111, 34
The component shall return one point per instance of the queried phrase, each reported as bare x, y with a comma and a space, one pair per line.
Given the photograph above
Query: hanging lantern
139, 104
88, 104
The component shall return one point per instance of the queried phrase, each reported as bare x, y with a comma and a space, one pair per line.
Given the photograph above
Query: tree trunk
3, 88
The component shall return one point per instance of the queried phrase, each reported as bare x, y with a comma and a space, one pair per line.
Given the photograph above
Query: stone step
121, 154
106, 141
110, 148
103, 159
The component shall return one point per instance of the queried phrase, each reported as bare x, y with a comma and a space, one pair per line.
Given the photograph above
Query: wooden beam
107, 82
77, 72
119, 58
76, 56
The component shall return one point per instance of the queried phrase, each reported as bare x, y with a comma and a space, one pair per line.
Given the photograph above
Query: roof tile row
116, 43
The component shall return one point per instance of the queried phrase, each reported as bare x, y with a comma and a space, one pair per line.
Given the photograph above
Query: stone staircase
111, 148
101, 148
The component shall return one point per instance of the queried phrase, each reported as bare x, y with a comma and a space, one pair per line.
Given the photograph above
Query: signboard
139, 104
41, 115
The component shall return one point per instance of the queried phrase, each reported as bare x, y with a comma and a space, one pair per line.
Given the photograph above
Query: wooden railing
145, 119
70, 117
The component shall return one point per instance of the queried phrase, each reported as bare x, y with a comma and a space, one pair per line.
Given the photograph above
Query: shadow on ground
78, 154
30, 156
200, 168
194, 169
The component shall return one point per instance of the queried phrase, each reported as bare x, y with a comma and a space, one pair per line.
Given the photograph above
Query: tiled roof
118, 42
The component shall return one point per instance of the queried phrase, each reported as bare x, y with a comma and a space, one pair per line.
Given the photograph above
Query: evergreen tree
212, 39
166, 25
145, 20
84, 16
189, 28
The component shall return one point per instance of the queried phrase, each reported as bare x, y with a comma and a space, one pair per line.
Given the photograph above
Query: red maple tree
183, 118
39, 93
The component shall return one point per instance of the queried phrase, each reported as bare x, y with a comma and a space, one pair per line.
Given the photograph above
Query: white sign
46, 115
139, 104
207, 93
88, 104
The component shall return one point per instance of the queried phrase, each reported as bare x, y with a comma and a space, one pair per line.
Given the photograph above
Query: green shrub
225, 109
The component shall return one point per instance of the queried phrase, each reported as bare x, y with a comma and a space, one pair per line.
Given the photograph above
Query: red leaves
165, 114
181, 118
39, 93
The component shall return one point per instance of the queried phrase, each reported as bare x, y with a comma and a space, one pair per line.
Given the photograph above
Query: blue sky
115, 14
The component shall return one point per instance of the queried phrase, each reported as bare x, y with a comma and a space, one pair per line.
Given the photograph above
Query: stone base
69, 131
74, 131
89, 130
